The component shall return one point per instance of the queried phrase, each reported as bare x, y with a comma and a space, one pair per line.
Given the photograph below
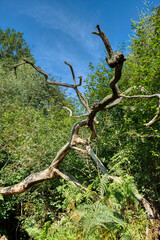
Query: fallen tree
83, 145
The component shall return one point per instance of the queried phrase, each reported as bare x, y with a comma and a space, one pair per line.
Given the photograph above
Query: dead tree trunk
77, 143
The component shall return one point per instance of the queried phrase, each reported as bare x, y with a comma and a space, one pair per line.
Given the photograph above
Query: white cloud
56, 18
50, 54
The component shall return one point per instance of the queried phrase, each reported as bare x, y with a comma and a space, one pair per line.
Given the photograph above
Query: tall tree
13, 47
27, 86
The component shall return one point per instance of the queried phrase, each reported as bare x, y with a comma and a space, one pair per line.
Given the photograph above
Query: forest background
34, 127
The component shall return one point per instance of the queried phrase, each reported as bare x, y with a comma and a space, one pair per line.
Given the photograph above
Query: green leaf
1, 197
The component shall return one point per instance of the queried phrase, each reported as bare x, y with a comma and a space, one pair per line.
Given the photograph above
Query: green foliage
34, 127
13, 48
29, 88
142, 66
31, 134
124, 143
29, 147
99, 77
116, 214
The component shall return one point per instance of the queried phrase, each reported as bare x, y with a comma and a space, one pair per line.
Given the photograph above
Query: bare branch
79, 149
71, 71
61, 155
17, 65
116, 61
139, 197
38, 69
97, 160
105, 40
118, 100
82, 100
101, 166
44, 74
146, 205
147, 96
75, 139
79, 94
71, 114
31, 180
80, 81
141, 96
68, 177
52, 170
28, 182
153, 120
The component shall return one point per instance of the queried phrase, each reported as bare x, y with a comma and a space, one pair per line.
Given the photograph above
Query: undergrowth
105, 211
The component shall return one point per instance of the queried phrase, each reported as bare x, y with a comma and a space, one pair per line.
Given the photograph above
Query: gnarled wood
114, 61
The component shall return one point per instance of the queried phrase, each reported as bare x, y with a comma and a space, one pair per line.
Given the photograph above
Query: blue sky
60, 30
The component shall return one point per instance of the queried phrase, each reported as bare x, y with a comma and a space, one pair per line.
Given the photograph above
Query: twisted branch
114, 61
146, 96
71, 113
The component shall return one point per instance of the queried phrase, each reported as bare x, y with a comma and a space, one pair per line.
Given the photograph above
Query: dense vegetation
34, 126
